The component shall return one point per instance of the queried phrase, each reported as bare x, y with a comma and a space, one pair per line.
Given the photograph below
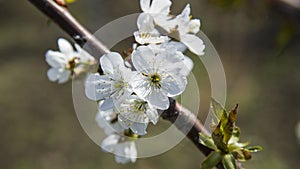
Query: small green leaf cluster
224, 140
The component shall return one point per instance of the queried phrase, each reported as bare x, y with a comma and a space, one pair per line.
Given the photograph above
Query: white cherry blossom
107, 120
186, 29
147, 34
159, 76
66, 61
111, 86
135, 113
116, 141
125, 151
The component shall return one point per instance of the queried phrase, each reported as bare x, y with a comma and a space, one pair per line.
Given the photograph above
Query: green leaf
235, 135
217, 108
237, 146
212, 160
228, 162
254, 149
207, 141
218, 138
242, 155
228, 124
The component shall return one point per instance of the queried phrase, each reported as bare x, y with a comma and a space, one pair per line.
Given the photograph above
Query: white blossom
147, 34
154, 13
186, 29
116, 141
107, 120
66, 61
125, 151
135, 113
159, 76
111, 86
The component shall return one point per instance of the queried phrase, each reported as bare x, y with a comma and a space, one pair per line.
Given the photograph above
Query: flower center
72, 63
140, 106
155, 78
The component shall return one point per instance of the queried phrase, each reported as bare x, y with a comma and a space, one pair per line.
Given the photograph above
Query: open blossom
107, 120
125, 151
159, 76
154, 13
116, 142
66, 61
147, 34
135, 113
181, 27
186, 29
111, 86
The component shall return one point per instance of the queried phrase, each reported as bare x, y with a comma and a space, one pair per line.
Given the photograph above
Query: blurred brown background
258, 42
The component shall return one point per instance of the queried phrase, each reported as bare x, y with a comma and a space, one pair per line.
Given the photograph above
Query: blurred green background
258, 42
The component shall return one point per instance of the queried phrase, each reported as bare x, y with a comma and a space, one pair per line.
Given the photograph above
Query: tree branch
176, 114
62, 17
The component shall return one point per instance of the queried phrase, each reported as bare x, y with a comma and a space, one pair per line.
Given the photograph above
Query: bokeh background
258, 42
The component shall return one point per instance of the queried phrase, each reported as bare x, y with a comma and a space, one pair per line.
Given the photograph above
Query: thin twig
62, 17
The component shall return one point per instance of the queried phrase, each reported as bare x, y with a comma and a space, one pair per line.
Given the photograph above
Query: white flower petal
152, 115
193, 43
84, 55
124, 122
180, 47
107, 105
194, 26
111, 61
136, 127
160, 7
173, 85
145, 5
139, 128
158, 99
132, 152
186, 11
143, 57
121, 159
189, 64
97, 87
56, 59
166, 22
65, 47
125, 152
145, 23
104, 124
140, 86
53, 74
109, 143
104, 121
64, 76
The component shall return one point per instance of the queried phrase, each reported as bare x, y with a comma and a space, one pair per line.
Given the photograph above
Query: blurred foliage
227, 4
259, 48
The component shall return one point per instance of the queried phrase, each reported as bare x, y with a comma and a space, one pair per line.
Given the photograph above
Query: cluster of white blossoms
130, 92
